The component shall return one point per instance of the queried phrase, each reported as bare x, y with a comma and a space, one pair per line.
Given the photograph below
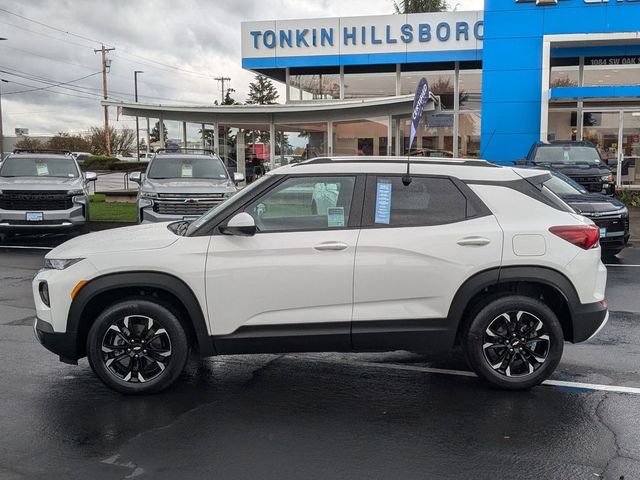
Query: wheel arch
168, 289
555, 288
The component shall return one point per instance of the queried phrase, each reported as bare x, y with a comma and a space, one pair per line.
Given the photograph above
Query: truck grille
592, 184
186, 204
35, 200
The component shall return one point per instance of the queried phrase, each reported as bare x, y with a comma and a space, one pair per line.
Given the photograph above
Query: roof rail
201, 151
414, 160
43, 150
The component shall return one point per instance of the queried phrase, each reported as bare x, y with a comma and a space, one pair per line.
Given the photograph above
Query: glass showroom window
314, 87
441, 83
298, 141
434, 137
563, 125
564, 73
470, 89
611, 71
361, 137
469, 135
368, 85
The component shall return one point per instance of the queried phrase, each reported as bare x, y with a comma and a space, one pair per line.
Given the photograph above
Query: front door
289, 287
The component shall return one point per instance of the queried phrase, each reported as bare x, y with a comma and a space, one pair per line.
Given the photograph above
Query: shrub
630, 198
104, 163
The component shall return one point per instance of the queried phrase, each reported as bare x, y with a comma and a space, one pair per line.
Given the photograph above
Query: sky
180, 46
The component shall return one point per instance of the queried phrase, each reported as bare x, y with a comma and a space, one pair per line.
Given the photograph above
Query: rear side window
425, 201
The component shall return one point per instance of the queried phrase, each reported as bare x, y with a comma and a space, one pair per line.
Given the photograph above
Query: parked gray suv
182, 185
43, 191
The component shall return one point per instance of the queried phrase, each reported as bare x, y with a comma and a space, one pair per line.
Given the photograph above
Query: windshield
21, 166
566, 154
562, 185
187, 167
238, 197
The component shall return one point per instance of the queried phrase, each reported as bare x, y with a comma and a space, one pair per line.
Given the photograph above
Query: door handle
330, 246
474, 241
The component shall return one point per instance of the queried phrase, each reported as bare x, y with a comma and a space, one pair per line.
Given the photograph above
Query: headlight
607, 178
76, 192
148, 195
60, 263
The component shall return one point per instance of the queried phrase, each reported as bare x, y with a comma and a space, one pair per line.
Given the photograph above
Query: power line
52, 27
93, 99
45, 35
50, 86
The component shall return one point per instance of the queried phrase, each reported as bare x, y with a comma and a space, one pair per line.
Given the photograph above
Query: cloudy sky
180, 46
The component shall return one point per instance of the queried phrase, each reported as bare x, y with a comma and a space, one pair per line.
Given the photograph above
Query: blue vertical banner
419, 102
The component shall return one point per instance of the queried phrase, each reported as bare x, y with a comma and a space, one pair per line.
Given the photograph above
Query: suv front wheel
137, 347
514, 342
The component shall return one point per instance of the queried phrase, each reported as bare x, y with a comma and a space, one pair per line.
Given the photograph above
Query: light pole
135, 87
1, 132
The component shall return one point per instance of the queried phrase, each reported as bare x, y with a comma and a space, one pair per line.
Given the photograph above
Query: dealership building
501, 79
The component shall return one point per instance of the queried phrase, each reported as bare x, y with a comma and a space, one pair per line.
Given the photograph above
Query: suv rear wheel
137, 347
514, 342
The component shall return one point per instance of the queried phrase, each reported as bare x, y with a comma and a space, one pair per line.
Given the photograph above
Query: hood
188, 185
125, 239
40, 183
577, 169
590, 203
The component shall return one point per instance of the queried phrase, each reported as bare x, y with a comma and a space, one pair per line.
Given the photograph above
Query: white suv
336, 254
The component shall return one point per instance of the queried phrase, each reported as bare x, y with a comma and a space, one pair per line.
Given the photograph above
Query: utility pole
222, 80
105, 68
135, 86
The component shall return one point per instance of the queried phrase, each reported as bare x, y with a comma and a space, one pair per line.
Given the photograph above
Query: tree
420, 6
66, 141
262, 91
28, 143
122, 142
154, 136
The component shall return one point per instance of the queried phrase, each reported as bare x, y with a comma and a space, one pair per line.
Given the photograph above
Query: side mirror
136, 177
238, 177
241, 225
90, 176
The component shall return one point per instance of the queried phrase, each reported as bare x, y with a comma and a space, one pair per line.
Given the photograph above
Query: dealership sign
363, 35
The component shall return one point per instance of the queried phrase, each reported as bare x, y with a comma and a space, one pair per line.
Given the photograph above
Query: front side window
20, 166
306, 203
424, 202
187, 167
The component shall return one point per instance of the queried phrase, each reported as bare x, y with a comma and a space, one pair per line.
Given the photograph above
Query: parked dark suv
580, 161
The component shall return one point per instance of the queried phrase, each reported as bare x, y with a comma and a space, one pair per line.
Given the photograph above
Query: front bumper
588, 320
147, 215
16, 220
617, 231
62, 344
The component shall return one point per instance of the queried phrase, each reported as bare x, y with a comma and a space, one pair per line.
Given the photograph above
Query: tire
611, 252
125, 330
516, 365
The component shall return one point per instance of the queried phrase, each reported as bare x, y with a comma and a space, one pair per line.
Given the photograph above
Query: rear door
417, 246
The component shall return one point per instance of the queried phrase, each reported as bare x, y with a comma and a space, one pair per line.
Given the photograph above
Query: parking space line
619, 265
464, 373
24, 247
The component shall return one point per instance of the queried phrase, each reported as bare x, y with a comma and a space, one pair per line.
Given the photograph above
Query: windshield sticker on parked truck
42, 169
335, 217
187, 170
383, 202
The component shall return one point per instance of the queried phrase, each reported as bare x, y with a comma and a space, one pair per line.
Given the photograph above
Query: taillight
583, 236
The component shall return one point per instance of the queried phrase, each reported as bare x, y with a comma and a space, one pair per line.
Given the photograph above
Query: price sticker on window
42, 169
187, 170
335, 217
384, 189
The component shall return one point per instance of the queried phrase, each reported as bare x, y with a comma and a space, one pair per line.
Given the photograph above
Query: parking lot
396, 415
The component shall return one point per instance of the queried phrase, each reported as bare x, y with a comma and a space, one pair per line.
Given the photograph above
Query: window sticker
335, 217
187, 170
383, 202
42, 169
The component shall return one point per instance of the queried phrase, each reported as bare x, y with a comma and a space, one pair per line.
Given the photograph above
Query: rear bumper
588, 320
62, 344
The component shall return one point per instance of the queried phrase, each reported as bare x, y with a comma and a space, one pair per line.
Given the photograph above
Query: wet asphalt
329, 416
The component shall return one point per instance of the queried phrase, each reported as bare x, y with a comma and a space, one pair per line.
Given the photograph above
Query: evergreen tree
154, 136
420, 6
262, 91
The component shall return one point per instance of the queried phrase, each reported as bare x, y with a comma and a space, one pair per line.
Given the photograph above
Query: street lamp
135, 86
1, 133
